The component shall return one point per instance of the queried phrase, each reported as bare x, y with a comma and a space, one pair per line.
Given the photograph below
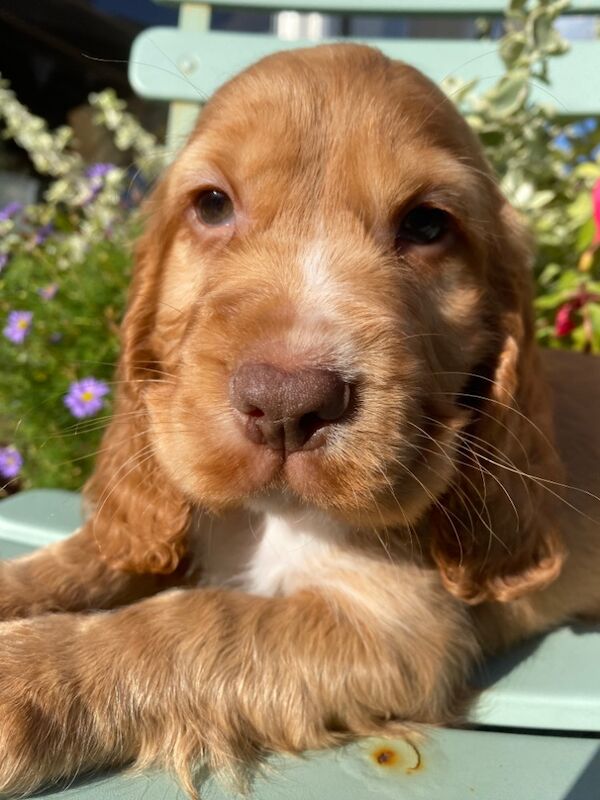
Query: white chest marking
280, 554
270, 556
290, 553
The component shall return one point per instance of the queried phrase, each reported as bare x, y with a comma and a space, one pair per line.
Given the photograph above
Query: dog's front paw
46, 729
24, 764
39, 744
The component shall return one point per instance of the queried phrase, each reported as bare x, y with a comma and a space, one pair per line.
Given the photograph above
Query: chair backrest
185, 65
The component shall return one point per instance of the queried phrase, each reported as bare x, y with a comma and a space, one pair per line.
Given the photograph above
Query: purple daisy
84, 397
10, 210
42, 234
96, 174
48, 292
99, 170
18, 326
11, 462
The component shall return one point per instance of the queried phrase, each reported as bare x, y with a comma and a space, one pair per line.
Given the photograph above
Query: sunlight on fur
333, 445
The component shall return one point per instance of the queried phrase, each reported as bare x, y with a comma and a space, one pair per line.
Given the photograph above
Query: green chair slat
445, 7
171, 64
38, 518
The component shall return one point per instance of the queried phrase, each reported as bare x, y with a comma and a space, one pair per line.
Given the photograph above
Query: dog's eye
214, 207
423, 225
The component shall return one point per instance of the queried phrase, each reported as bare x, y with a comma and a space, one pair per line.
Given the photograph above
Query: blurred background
56, 52
79, 151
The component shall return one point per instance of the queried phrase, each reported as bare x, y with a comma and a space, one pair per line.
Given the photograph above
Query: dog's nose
285, 410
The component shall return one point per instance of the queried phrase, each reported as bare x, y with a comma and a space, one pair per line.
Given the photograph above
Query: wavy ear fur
140, 519
504, 494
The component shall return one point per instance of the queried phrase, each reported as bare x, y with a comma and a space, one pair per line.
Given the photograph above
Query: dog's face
331, 213
330, 283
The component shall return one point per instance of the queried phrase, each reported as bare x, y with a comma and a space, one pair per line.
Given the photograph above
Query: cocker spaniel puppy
332, 443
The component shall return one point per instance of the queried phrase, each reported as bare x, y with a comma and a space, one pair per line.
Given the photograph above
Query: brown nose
286, 410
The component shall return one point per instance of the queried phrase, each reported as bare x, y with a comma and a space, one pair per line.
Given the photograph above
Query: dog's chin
312, 481
278, 500
331, 479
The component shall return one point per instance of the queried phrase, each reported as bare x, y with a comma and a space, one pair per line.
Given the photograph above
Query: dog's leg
69, 576
217, 677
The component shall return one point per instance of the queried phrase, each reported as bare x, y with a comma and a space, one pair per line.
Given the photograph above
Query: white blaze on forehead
320, 286
322, 331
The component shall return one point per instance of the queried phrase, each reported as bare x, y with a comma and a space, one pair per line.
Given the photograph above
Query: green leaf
512, 47
541, 199
510, 93
523, 195
579, 338
517, 5
548, 274
539, 27
581, 209
551, 301
588, 171
593, 313
585, 237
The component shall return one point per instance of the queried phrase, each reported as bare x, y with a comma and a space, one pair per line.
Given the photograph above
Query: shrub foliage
65, 262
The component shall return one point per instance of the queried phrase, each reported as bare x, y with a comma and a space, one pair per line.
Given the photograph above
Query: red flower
596, 206
564, 321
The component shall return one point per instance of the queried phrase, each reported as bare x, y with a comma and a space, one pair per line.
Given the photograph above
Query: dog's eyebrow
199, 175
456, 198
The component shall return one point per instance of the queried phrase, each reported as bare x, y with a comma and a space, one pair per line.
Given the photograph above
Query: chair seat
454, 765
552, 682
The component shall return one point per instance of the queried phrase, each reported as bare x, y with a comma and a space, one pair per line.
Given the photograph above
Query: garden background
66, 247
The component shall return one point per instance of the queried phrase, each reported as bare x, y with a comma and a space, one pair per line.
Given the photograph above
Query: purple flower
55, 338
10, 210
11, 462
48, 292
3, 260
84, 397
42, 234
98, 170
96, 173
18, 326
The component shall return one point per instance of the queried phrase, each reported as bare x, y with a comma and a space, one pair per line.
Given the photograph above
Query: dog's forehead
336, 93
340, 119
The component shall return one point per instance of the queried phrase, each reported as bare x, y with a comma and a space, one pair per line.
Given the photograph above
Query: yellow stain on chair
400, 755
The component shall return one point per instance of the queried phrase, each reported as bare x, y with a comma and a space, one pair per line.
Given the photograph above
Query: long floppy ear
509, 473
140, 519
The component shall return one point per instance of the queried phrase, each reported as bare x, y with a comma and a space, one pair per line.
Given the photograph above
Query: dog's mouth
314, 460
335, 456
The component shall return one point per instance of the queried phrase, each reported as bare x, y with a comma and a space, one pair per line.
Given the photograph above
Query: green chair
185, 65
534, 732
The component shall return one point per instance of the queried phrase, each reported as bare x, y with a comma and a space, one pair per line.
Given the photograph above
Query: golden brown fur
342, 590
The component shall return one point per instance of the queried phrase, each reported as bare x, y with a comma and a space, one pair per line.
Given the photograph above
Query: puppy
333, 443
